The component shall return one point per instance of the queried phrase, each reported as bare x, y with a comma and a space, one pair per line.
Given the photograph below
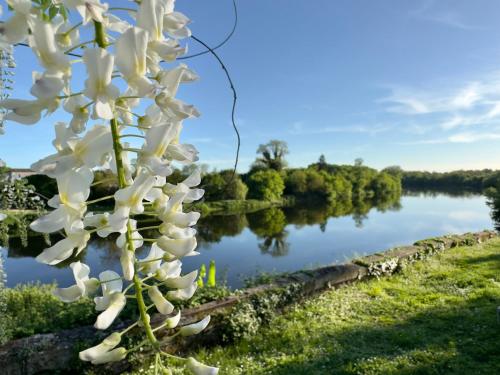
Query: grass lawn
436, 317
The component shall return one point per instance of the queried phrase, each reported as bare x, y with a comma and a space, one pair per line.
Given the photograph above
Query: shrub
20, 195
32, 308
267, 185
224, 186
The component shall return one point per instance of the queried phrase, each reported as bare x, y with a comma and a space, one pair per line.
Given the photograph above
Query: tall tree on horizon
273, 155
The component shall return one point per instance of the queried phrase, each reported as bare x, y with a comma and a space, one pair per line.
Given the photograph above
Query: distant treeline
269, 179
319, 181
473, 180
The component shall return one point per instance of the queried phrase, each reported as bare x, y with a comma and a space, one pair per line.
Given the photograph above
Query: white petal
127, 262
111, 282
52, 222
198, 368
62, 250
173, 321
177, 247
99, 351
70, 294
182, 294
195, 328
182, 282
148, 265
114, 355
169, 269
106, 318
162, 305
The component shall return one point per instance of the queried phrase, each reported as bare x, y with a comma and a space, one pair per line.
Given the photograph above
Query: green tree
267, 185
394, 170
273, 155
358, 162
296, 182
322, 164
224, 186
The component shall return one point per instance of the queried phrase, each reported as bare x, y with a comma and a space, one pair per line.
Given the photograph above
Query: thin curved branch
221, 43
233, 110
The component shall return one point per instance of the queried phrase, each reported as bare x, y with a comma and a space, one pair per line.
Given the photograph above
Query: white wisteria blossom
98, 86
195, 328
76, 238
66, 35
131, 50
16, 29
77, 106
84, 286
69, 204
199, 368
120, 81
105, 351
90, 151
42, 40
112, 301
88, 9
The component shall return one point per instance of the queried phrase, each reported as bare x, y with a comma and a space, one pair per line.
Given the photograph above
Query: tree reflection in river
268, 225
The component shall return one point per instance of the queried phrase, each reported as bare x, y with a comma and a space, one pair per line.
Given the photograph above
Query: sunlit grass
436, 317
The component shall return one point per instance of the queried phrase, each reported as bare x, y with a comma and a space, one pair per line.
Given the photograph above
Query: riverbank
431, 289
436, 316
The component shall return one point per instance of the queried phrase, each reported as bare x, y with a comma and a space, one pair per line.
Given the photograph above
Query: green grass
436, 317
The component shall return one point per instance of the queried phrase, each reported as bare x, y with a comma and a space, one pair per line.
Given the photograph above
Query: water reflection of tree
493, 201
213, 228
269, 225
433, 193
319, 212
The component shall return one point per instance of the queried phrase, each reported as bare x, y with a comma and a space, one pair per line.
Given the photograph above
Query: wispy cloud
463, 137
449, 108
415, 101
299, 128
431, 11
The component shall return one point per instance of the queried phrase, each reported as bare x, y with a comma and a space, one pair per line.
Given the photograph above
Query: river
283, 240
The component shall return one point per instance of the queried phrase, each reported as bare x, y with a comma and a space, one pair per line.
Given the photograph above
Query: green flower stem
100, 199
117, 148
73, 28
128, 328
173, 356
103, 181
108, 281
149, 260
124, 9
148, 228
79, 46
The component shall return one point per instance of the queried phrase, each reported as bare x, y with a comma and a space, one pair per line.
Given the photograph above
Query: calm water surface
277, 240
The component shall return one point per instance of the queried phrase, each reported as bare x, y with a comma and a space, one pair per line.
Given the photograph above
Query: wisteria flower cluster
130, 64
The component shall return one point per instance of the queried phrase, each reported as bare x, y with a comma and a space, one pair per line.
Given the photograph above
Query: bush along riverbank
237, 317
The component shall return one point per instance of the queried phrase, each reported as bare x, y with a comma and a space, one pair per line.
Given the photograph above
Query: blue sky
409, 83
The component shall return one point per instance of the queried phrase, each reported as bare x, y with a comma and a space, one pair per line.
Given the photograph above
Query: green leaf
63, 12
53, 11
